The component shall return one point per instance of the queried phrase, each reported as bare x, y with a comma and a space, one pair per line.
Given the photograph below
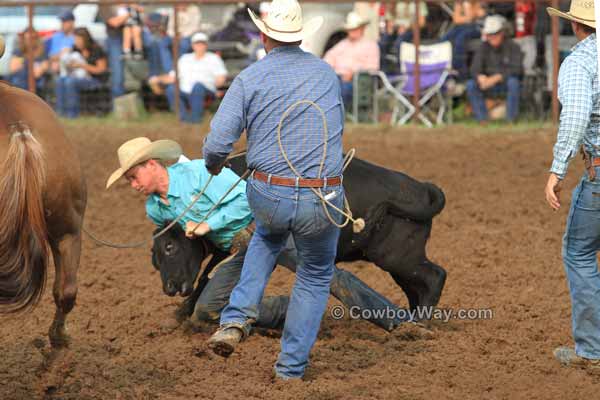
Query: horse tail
24, 250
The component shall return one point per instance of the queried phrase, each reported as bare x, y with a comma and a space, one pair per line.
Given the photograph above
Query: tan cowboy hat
284, 22
142, 149
581, 11
353, 21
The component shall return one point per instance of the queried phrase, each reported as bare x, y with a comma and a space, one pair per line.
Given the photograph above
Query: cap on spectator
493, 24
199, 37
353, 21
67, 15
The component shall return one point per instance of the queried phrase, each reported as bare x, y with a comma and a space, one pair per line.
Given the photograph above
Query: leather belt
293, 182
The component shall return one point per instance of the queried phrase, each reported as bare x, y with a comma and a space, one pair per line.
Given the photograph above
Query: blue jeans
511, 86
280, 212
347, 94
345, 286
191, 105
114, 47
67, 94
158, 48
580, 248
20, 79
459, 36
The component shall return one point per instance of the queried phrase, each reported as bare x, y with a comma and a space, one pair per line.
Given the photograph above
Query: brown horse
42, 202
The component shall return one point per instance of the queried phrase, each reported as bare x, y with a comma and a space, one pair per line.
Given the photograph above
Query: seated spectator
84, 69
400, 30
353, 54
200, 74
496, 68
158, 38
189, 18
19, 63
62, 41
467, 17
132, 31
114, 46
158, 46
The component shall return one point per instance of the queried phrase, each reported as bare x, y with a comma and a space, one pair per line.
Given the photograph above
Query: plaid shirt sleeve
575, 95
226, 126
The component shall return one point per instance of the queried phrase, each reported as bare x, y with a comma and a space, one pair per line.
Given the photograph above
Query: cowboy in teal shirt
171, 190
186, 180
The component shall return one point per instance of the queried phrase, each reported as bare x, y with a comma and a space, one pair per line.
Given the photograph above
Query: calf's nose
170, 289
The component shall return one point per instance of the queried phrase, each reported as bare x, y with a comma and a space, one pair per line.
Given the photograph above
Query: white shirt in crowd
205, 71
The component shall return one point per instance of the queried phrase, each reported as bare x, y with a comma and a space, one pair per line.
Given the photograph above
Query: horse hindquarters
23, 233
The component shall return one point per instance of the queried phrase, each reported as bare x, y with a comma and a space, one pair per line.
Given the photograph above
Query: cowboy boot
224, 340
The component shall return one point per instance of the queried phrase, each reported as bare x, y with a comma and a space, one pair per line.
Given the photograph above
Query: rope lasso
358, 224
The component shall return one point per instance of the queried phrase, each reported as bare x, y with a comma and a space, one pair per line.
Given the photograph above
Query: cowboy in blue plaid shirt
266, 96
579, 94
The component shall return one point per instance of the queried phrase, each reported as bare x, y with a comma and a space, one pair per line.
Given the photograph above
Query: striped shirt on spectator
258, 98
579, 95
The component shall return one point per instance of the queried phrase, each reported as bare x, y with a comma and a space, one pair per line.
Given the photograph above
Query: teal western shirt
186, 180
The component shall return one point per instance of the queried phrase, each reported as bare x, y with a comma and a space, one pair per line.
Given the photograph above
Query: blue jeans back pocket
263, 204
589, 198
321, 219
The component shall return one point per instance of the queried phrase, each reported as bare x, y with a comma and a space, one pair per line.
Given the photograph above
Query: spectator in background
62, 41
133, 45
353, 54
114, 46
158, 48
188, 20
19, 63
399, 30
200, 74
88, 71
496, 68
524, 33
159, 40
467, 17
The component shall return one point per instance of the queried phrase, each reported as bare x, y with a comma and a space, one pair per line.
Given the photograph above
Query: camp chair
435, 61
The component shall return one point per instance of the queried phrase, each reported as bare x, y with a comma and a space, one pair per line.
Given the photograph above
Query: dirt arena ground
497, 239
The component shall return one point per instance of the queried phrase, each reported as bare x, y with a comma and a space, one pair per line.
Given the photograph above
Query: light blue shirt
258, 98
186, 180
579, 95
60, 41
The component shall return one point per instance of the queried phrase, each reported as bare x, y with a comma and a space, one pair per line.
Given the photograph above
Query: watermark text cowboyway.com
419, 313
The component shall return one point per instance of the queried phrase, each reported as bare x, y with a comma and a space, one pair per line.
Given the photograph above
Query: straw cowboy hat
284, 22
581, 11
353, 21
142, 149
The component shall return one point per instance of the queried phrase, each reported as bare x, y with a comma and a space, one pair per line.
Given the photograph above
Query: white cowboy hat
581, 11
142, 149
353, 21
284, 22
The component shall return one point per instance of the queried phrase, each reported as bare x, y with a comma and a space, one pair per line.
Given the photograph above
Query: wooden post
417, 71
175, 51
555, 61
29, 43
